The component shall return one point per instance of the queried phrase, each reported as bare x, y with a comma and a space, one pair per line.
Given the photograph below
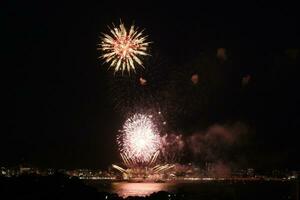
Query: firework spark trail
119, 168
154, 157
139, 141
123, 49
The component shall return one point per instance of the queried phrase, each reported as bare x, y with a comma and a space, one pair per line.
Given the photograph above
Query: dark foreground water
206, 190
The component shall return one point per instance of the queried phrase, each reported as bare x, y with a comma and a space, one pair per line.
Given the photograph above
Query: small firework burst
123, 49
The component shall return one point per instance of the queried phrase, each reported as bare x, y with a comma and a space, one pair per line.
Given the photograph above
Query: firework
123, 49
139, 141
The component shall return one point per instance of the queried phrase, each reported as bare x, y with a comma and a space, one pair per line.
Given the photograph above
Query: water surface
210, 189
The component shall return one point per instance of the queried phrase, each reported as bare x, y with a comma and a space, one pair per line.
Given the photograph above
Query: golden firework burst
123, 49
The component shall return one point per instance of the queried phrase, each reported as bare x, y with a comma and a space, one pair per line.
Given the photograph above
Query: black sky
58, 108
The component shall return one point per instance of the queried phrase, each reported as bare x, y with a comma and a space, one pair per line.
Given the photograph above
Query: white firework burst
139, 141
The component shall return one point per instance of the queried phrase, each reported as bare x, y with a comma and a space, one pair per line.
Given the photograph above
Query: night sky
59, 109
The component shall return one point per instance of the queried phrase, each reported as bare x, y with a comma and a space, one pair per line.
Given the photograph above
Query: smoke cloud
216, 149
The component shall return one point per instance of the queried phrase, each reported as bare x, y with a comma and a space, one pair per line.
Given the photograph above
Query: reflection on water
205, 190
140, 189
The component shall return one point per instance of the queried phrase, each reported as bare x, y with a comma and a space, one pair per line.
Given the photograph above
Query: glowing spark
139, 141
143, 81
123, 49
195, 79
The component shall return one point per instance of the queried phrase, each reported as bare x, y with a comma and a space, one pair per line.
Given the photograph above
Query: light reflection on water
140, 189
203, 190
